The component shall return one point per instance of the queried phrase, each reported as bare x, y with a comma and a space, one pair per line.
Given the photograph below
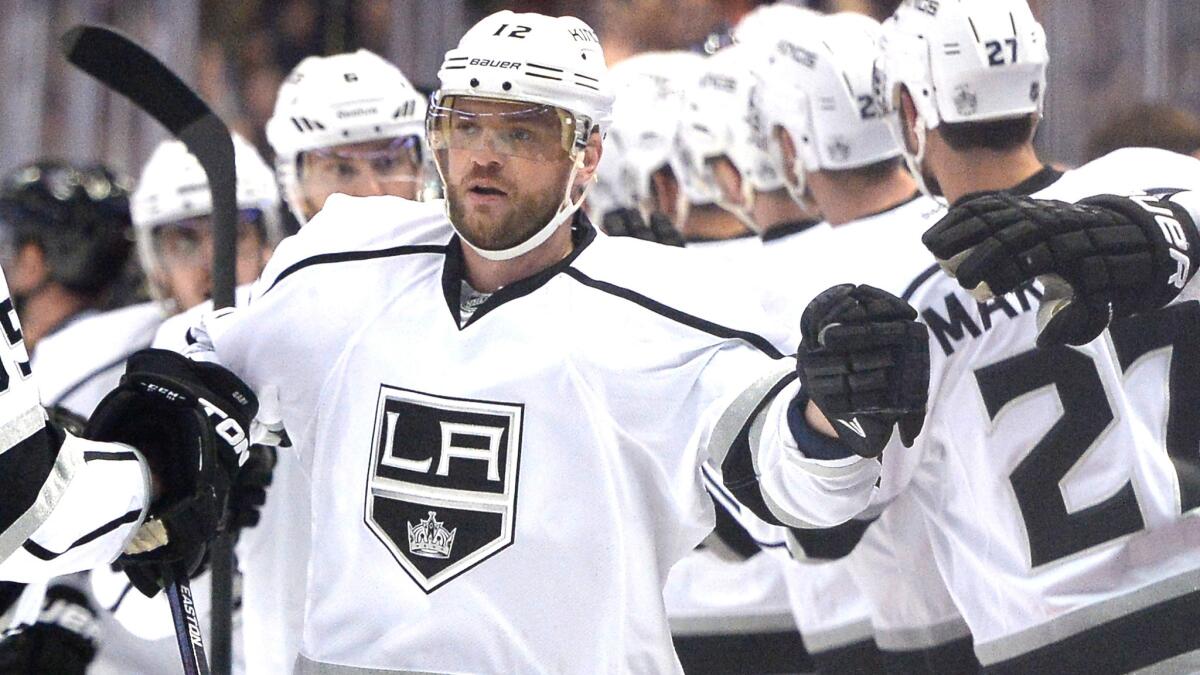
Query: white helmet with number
720, 120
649, 99
961, 61
546, 63
173, 187
335, 100
817, 86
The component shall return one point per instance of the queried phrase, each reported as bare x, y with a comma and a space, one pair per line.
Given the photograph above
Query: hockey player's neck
711, 223
843, 199
489, 276
961, 173
47, 309
773, 209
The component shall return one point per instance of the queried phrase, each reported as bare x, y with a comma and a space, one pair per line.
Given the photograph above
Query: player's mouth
481, 194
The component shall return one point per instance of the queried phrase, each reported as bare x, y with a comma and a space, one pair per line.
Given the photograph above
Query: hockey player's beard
497, 229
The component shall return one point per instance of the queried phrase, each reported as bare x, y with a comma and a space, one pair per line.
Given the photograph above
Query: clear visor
385, 160
189, 241
512, 128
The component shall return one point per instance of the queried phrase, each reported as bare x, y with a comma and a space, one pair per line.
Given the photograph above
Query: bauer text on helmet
515, 128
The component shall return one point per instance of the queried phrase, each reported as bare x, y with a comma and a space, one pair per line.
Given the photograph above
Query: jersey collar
788, 229
582, 235
1037, 182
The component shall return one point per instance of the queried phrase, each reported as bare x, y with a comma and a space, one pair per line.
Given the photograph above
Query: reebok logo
854, 425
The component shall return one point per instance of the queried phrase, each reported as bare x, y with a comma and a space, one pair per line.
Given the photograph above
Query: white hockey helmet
173, 187
817, 85
611, 191
547, 63
719, 120
649, 99
328, 101
765, 24
961, 61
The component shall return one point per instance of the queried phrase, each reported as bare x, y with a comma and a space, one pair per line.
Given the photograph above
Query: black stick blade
124, 66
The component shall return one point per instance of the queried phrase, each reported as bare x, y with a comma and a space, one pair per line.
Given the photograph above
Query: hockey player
65, 233
170, 210
1054, 512
715, 630
324, 103
652, 81
348, 123
836, 147
439, 381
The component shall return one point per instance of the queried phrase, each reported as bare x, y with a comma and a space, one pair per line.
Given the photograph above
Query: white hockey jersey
889, 587
66, 504
1054, 510
507, 496
80, 363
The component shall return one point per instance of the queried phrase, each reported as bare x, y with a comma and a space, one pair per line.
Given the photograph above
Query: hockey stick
124, 66
187, 625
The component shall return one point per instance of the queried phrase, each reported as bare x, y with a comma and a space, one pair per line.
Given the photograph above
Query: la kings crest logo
442, 492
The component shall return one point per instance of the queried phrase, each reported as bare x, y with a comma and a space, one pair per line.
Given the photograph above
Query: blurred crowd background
1135, 66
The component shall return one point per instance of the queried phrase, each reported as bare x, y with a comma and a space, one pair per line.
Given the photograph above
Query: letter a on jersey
442, 492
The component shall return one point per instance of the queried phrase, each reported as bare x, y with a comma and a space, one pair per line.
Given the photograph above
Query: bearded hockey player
349, 123
500, 479
836, 147
1056, 516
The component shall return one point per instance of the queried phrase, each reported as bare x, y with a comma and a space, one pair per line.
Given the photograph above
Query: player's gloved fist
864, 361
250, 488
190, 420
1105, 258
63, 641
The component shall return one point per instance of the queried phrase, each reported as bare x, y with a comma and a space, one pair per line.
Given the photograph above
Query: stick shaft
187, 627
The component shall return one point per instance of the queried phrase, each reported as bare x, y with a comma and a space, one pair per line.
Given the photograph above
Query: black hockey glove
864, 360
62, 641
1105, 258
250, 489
190, 420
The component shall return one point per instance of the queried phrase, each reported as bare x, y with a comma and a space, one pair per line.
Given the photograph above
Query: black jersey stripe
759, 652
124, 455
1136, 640
831, 543
916, 283
753, 339
32, 459
355, 256
737, 470
42, 553
956, 657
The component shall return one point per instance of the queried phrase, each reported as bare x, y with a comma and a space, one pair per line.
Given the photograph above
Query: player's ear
729, 179
666, 192
787, 148
908, 119
591, 157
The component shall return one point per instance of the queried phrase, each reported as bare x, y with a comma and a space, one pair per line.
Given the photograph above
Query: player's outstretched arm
863, 370
1104, 258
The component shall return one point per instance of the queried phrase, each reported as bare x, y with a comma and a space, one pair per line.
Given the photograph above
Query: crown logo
965, 101
429, 539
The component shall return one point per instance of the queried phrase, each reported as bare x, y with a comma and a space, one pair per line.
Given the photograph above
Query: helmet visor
511, 128
353, 167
